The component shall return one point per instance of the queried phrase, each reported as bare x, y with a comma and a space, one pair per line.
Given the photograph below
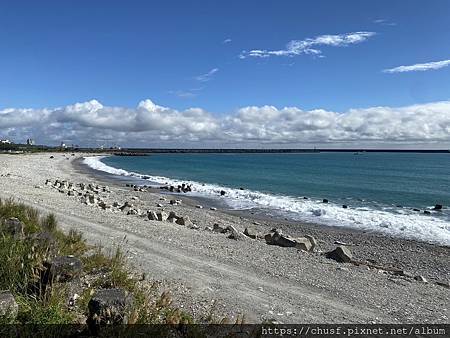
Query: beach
207, 272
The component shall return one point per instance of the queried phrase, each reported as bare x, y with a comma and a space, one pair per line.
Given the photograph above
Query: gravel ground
209, 273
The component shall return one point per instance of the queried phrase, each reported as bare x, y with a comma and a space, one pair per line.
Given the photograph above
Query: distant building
30, 142
5, 141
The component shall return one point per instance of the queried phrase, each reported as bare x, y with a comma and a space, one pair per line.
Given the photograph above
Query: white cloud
419, 67
151, 125
207, 76
226, 41
384, 22
310, 45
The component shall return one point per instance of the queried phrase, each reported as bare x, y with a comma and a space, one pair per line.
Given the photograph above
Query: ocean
380, 189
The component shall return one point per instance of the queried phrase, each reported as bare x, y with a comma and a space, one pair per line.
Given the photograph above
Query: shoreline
252, 214
207, 270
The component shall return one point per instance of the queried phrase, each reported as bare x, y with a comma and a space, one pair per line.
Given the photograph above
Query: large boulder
8, 307
250, 233
161, 216
234, 233
276, 237
341, 254
152, 215
109, 306
64, 269
173, 217
14, 227
218, 228
184, 220
312, 240
44, 242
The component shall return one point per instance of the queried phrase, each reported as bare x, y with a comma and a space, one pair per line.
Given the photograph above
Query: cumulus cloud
207, 76
150, 125
419, 67
310, 45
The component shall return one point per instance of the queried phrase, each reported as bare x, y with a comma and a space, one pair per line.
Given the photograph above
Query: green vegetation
23, 263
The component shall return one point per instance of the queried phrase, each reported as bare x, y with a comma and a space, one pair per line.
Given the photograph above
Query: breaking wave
399, 222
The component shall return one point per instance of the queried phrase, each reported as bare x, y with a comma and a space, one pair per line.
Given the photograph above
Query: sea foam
402, 223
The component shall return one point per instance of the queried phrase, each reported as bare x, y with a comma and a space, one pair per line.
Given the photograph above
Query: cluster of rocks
107, 306
137, 188
307, 243
179, 189
171, 217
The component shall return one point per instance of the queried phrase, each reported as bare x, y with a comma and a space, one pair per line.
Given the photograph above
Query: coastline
246, 277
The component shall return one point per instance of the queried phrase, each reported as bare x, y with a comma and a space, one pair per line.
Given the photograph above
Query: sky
226, 73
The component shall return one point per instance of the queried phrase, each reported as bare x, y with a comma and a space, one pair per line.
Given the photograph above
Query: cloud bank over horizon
150, 125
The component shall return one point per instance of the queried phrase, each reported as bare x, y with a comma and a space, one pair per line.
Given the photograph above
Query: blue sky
183, 54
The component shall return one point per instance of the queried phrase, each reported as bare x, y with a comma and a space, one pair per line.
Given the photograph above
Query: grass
22, 265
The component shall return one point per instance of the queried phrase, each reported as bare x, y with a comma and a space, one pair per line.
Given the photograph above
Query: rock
8, 307
276, 237
421, 279
71, 193
345, 206
125, 206
325, 200
438, 207
402, 273
184, 220
162, 216
319, 212
250, 233
91, 199
159, 205
415, 209
234, 233
313, 242
426, 212
213, 208
341, 254
222, 192
109, 306
218, 228
132, 212
173, 202
445, 284
152, 215
14, 227
198, 206
45, 242
103, 205
63, 269
303, 243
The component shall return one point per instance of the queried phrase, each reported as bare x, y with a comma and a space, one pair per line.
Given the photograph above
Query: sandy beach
207, 272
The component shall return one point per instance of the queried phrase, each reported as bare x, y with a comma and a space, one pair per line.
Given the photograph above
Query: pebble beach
223, 262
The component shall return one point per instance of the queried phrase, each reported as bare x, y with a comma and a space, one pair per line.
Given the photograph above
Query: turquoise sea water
373, 185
